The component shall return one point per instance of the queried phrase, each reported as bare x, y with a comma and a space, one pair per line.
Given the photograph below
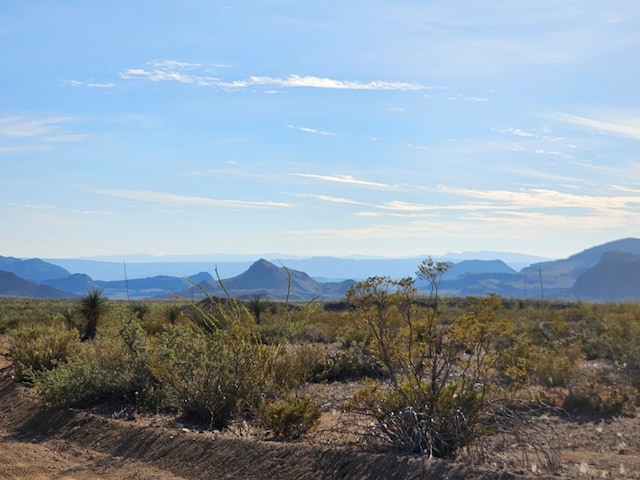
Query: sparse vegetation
441, 377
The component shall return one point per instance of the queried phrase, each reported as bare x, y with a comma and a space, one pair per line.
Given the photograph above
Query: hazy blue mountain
564, 273
265, 279
321, 268
467, 267
516, 261
141, 288
14, 286
615, 277
77, 283
32, 269
113, 271
593, 274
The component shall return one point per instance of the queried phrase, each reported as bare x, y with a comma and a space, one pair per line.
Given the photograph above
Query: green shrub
552, 367
439, 371
111, 368
350, 363
35, 348
298, 364
213, 377
292, 417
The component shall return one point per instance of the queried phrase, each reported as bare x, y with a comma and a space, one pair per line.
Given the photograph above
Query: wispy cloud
417, 147
628, 127
174, 199
330, 199
471, 99
309, 81
511, 224
525, 172
91, 212
66, 138
77, 83
348, 179
195, 73
542, 151
24, 148
16, 126
313, 130
34, 207
540, 199
405, 206
27, 134
521, 133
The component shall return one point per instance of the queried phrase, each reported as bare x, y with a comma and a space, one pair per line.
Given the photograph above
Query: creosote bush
213, 377
292, 417
218, 367
111, 368
437, 394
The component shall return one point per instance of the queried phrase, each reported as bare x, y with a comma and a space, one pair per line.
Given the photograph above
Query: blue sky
386, 128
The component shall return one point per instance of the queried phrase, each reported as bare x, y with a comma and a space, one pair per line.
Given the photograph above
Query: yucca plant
91, 308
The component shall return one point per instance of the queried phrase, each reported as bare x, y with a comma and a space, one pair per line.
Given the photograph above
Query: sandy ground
35, 444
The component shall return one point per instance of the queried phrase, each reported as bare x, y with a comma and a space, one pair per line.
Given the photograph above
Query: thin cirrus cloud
348, 179
313, 130
16, 126
518, 132
548, 199
174, 199
77, 83
630, 128
195, 73
330, 199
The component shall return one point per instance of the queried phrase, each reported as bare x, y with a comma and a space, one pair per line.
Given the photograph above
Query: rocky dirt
38, 444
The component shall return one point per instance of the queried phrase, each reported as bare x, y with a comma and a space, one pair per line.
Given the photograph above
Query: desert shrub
100, 372
111, 368
526, 363
439, 373
298, 364
315, 333
34, 348
292, 417
196, 374
405, 421
217, 367
349, 363
618, 336
220, 366
541, 350
599, 398
552, 367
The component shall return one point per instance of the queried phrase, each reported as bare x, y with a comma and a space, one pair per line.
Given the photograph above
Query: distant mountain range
608, 272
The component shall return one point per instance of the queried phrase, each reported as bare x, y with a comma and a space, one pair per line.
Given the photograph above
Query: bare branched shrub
439, 399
